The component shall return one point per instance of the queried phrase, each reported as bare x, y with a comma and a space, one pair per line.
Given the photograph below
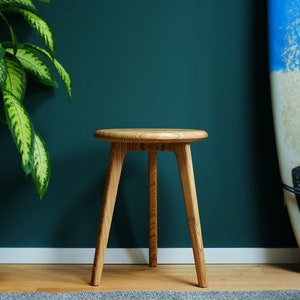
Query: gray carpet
260, 295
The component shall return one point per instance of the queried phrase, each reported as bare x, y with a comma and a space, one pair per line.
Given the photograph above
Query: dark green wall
159, 63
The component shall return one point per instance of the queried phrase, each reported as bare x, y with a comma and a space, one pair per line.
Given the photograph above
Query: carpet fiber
259, 295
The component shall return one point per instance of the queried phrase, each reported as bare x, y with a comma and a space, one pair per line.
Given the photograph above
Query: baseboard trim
140, 255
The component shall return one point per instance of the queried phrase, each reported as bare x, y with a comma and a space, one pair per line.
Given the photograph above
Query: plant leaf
59, 68
41, 28
3, 69
41, 166
35, 65
21, 128
65, 77
13, 37
25, 3
16, 77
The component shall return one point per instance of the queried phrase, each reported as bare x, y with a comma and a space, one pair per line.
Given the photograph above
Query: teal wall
159, 63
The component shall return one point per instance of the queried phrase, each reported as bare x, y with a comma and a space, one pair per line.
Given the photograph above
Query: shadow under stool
150, 140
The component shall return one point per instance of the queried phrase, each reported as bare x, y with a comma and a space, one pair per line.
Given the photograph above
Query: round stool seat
151, 135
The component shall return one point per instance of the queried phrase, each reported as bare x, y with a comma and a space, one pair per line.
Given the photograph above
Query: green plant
17, 60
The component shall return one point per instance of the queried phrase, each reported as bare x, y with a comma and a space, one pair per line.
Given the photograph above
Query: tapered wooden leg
152, 183
117, 154
184, 158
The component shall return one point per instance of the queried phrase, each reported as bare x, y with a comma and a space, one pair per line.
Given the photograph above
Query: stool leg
152, 182
117, 155
184, 158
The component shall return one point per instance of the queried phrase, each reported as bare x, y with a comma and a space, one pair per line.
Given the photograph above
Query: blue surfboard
284, 61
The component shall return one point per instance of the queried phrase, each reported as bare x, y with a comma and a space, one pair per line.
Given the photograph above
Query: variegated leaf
35, 65
59, 68
41, 166
25, 3
41, 28
3, 69
64, 76
13, 37
16, 77
21, 129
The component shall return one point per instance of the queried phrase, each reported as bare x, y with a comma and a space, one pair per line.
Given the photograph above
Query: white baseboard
140, 255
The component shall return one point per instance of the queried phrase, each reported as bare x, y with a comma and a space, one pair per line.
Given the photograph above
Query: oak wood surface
150, 135
75, 278
185, 164
117, 155
152, 211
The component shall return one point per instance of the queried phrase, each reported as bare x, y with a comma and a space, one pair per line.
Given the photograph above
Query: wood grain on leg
117, 155
152, 182
184, 158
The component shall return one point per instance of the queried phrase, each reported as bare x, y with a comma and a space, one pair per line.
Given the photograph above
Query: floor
74, 278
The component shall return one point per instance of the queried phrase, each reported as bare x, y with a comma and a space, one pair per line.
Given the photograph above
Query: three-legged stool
151, 140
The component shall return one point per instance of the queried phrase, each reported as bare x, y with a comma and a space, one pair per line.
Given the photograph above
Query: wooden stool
151, 140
